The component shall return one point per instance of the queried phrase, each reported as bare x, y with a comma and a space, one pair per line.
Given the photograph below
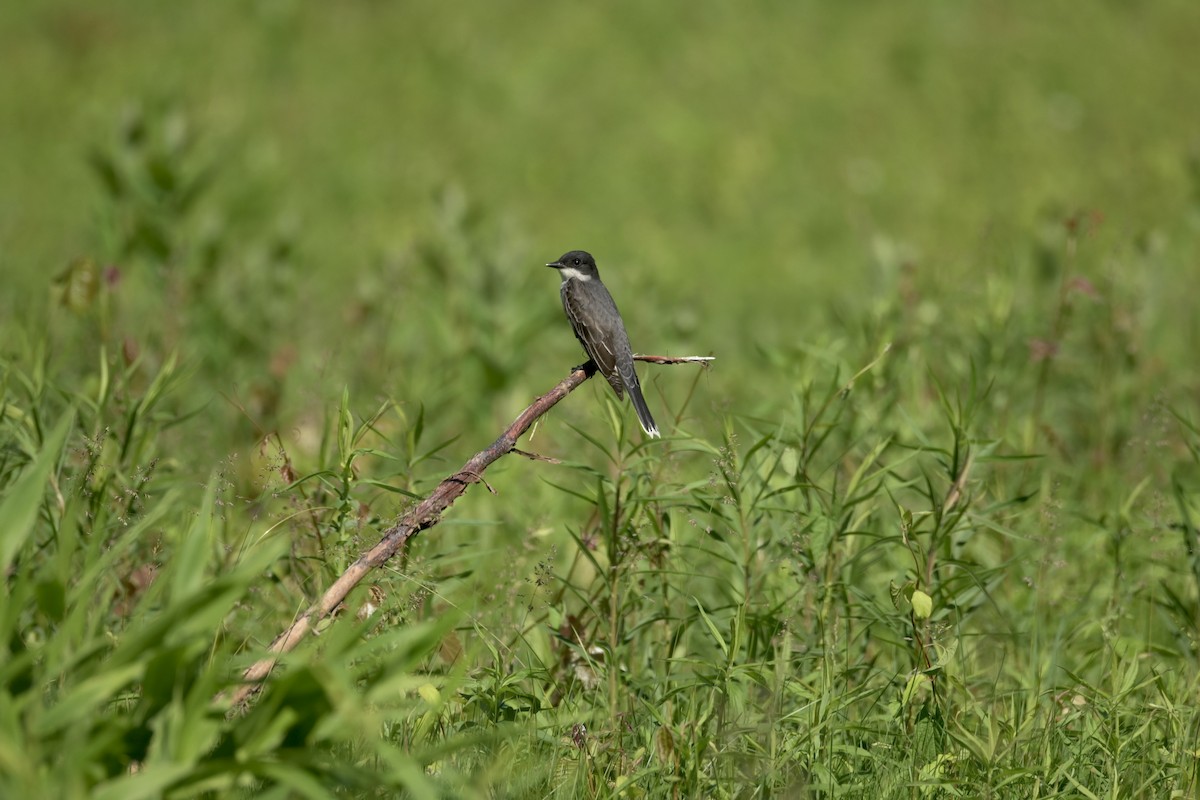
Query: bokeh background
738, 168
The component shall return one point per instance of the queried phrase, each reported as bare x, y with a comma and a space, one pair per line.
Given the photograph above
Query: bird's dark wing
586, 331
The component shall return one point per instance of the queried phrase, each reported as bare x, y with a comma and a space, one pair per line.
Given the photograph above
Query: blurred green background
740, 166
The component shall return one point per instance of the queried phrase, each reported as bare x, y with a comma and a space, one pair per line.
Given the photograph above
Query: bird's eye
576, 262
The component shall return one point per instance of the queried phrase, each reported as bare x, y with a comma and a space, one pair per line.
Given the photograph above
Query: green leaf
79, 704
151, 781
190, 564
19, 510
922, 604
712, 628
916, 682
51, 598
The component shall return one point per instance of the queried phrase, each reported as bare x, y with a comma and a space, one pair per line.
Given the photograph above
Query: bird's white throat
570, 272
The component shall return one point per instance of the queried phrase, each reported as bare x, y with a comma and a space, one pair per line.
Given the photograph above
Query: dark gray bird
599, 328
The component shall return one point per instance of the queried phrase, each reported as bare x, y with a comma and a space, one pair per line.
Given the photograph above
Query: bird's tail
643, 411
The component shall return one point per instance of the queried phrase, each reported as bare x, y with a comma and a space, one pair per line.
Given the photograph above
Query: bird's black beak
556, 265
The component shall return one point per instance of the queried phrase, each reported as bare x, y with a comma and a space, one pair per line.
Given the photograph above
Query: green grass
927, 527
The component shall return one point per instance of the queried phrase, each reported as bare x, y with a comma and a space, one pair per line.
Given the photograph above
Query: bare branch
424, 515
534, 456
701, 360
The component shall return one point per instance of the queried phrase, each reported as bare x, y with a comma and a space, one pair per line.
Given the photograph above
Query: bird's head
576, 264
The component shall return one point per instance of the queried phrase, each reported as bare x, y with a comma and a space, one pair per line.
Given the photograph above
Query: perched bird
599, 328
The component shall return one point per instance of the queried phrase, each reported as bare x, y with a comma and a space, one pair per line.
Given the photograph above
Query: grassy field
927, 527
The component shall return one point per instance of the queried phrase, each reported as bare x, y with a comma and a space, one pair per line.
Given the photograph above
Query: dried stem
424, 515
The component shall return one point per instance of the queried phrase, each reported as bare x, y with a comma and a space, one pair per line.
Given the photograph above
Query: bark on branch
424, 515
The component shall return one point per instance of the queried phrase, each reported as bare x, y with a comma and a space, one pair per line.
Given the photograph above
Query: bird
599, 328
